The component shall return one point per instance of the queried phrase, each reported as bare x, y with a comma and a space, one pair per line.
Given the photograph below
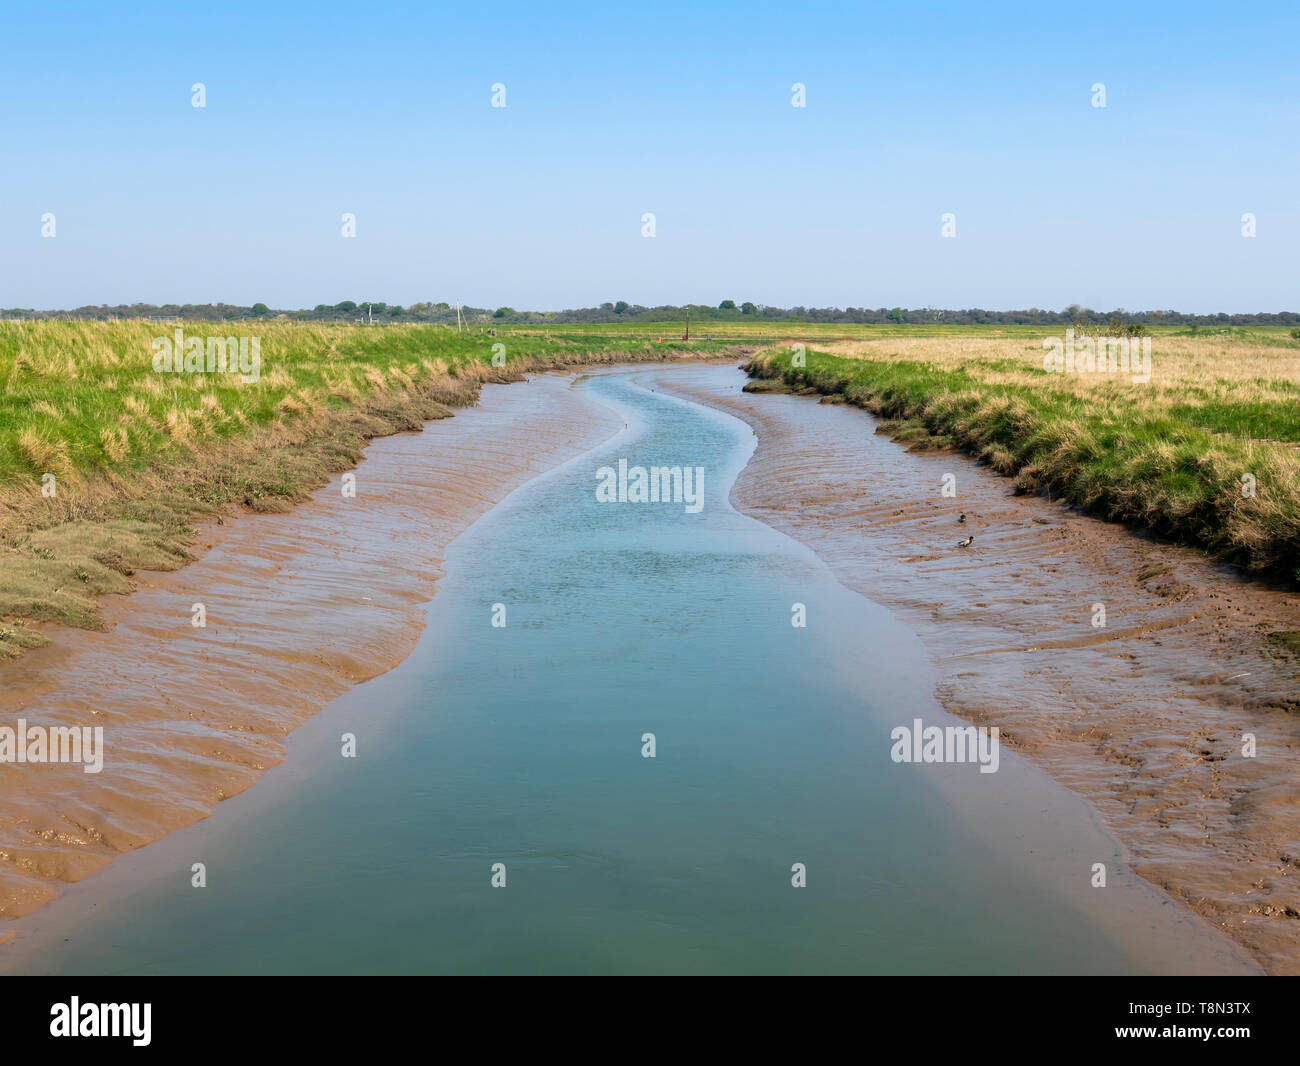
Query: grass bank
107, 463
1207, 452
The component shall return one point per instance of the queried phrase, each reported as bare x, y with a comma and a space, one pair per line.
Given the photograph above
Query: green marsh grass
138, 456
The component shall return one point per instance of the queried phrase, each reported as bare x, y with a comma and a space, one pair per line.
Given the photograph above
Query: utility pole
688, 326
458, 325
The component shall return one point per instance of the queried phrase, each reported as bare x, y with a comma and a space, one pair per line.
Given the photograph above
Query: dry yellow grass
1244, 368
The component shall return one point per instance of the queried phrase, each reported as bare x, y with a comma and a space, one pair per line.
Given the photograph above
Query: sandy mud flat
1145, 716
299, 608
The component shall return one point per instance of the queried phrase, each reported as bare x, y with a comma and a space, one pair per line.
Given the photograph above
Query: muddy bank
299, 608
1145, 716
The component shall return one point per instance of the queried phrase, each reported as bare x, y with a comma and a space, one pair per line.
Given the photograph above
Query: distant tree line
365, 311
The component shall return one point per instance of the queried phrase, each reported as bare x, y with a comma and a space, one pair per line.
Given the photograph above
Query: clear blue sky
683, 110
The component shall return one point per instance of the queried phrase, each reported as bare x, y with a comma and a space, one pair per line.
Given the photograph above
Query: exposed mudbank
298, 609
1147, 715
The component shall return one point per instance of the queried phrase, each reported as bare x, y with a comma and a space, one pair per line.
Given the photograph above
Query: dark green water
523, 746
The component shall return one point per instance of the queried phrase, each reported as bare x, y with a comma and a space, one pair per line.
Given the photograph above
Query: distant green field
767, 330
764, 330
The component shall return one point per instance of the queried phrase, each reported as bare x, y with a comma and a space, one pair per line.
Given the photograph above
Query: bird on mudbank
961, 519
966, 543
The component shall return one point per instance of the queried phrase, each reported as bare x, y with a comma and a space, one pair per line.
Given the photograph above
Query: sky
913, 110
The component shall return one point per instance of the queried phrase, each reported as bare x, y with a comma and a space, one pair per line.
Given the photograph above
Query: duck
966, 543
961, 520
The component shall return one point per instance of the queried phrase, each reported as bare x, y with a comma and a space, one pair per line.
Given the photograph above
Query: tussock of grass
916, 435
16, 639
1154, 570
767, 385
1168, 456
1288, 640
